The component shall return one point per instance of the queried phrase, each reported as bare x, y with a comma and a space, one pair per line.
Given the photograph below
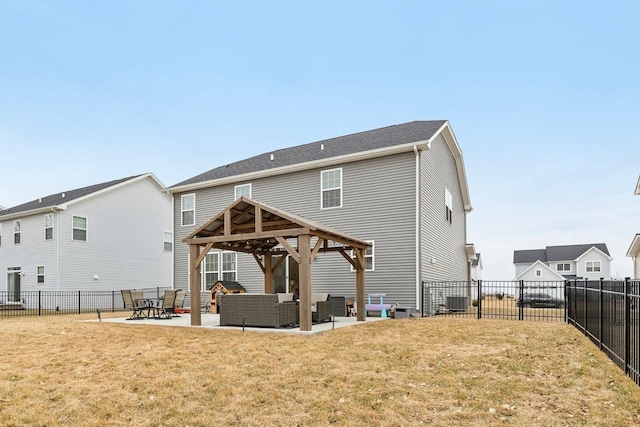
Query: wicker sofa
262, 310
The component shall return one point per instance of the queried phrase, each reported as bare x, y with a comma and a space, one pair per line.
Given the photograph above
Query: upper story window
593, 267
448, 206
188, 209
369, 258
16, 232
0, 234
167, 238
538, 272
48, 227
40, 274
242, 191
331, 188
79, 226
563, 267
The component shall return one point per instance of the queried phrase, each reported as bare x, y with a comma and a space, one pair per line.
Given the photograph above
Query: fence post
520, 298
479, 299
39, 303
600, 310
79, 304
584, 306
566, 300
627, 325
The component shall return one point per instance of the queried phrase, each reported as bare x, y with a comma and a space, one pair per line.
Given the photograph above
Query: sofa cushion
282, 297
315, 297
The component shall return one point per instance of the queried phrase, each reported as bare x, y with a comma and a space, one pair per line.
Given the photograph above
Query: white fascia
593, 248
634, 249
364, 155
544, 266
452, 142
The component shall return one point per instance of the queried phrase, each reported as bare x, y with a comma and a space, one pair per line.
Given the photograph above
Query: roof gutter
22, 214
364, 155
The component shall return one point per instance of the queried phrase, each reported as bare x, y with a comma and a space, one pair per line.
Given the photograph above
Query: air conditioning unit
457, 303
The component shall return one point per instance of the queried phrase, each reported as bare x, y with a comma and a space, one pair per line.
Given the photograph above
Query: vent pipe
272, 157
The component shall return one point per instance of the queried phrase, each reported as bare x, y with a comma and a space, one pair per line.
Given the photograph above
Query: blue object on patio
381, 306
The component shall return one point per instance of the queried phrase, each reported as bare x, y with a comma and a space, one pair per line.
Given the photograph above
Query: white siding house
107, 236
589, 261
403, 188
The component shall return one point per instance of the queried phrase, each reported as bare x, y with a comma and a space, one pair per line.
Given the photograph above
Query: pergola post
304, 249
268, 273
360, 302
194, 284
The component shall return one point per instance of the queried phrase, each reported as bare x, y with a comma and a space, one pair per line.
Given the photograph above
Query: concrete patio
212, 321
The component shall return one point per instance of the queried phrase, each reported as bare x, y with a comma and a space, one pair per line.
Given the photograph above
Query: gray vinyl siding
124, 247
441, 242
378, 205
636, 264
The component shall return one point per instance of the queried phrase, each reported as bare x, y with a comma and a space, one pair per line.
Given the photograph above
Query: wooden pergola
255, 228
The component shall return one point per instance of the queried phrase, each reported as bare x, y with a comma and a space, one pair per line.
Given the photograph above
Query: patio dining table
150, 305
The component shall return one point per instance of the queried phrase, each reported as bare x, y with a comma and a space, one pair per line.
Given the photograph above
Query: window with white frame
242, 191
593, 267
369, 258
218, 266
331, 188
188, 209
229, 266
79, 231
211, 269
448, 206
563, 266
538, 273
16, 232
40, 274
48, 227
167, 238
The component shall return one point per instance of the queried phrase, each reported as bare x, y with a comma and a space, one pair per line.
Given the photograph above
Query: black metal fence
608, 312
51, 303
516, 300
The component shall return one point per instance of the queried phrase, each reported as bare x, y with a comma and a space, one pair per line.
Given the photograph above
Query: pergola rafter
255, 228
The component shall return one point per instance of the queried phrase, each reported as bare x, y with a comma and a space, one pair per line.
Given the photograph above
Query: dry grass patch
439, 371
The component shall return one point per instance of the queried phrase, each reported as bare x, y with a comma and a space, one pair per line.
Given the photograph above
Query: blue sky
542, 96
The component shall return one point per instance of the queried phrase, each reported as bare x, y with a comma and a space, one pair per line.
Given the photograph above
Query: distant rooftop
62, 197
555, 253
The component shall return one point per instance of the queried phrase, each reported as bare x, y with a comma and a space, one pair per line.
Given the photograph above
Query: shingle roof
62, 197
364, 141
555, 253
529, 255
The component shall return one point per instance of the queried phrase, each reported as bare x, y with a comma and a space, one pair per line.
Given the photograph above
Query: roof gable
253, 227
542, 266
637, 192
634, 249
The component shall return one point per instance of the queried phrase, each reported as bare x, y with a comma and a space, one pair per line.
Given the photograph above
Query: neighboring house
634, 249
108, 236
402, 188
589, 261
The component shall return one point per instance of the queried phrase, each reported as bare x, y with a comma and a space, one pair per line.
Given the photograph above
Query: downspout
56, 214
173, 239
418, 229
